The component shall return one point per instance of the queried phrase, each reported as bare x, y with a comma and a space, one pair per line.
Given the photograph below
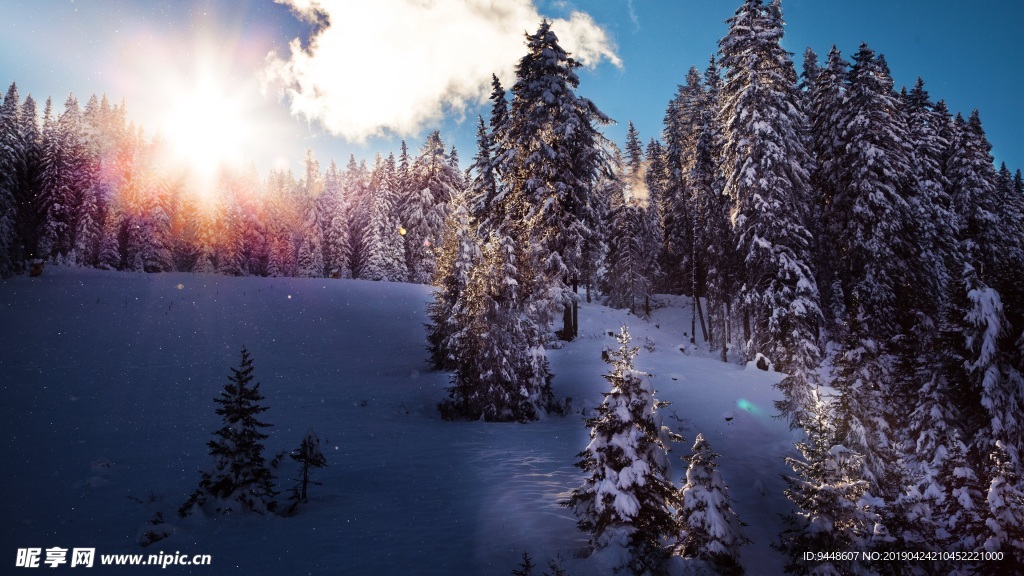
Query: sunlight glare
205, 128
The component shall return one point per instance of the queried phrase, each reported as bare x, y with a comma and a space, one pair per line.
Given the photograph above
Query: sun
205, 126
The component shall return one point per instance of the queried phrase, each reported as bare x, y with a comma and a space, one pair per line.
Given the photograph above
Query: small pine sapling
556, 568
240, 479
525, 567
308, 455
712, 531
155, 530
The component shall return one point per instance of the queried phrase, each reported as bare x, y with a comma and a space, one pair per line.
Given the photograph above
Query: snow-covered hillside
106, 388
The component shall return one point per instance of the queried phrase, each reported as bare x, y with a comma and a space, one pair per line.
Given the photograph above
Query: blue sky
154, 54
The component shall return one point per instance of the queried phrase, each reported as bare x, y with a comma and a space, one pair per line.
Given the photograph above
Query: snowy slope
106, 388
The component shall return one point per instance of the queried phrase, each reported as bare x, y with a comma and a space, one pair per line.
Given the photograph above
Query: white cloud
393, 66
632, 15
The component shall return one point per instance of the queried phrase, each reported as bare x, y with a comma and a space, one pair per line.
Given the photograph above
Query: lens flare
745, 404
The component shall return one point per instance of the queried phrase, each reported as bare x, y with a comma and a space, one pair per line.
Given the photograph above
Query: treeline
88, 188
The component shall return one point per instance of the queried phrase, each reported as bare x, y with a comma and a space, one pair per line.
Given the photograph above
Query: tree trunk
575, 307
703, 326
726, 332
711, 330
693, 319
566, 332
575, 319
305, 479
746, 329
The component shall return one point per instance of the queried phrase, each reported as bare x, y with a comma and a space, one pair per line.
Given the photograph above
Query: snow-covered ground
106, 388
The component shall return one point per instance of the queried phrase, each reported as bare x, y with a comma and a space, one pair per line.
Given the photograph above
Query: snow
108, 382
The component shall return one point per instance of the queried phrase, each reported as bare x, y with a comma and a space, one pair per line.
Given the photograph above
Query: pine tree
682, 125
358, 209
828, 492
28, 184
525, 567
434, 182
68, 178
239, 480
500, 374
384, 248
311, 259
308, 455
10, 146
713, 230
632, 261
824, 102
765, 175
459, 254
933, 431
994, 370
962, 513
627, 498
552, 156
483, 187
1005, 500
711, 529
337, 238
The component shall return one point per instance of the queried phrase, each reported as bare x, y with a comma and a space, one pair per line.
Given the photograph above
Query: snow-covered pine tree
337, 240
711, 529
879, 271
489, 202
931, 205
239, 480
310, 235
824, 100
110, 255
331, 215
311, 259
828, 491
627, 499
11, 146
501, 375
433, 184
632, 261
183, 233
765, 172
358, 191
682, 125
459, 254
1005, 499
925, 350
384, 245
483, 187
68, 175
657, 179
994, 371
991, 321
961, 514
930, 430
552, 156
714, 235
28, 184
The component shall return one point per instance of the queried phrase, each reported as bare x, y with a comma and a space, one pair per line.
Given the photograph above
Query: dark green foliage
239, 480
309, 456
525, 567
